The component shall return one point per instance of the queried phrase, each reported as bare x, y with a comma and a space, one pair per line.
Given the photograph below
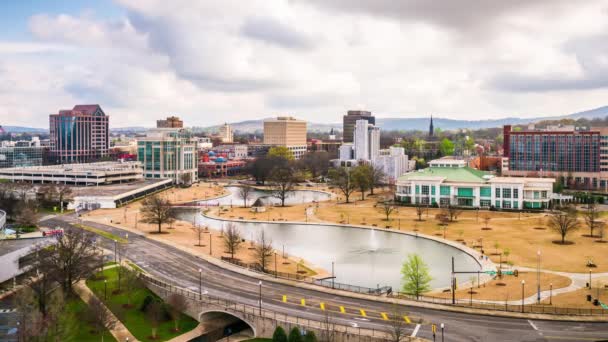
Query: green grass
135, 267
74, 325
133, 318
259, 340
102, 233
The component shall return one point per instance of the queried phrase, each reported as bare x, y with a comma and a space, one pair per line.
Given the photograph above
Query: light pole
589, 279
550, 293
200, 284
127, 236
210, 242
275, 265
115, 250
523, 284
260, 284
332, 275
105, 289
442, 327
538, 277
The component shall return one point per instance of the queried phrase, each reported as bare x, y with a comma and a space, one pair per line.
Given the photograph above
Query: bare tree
131, 283
177, 305
453, 212
419, 211
199, 230
398, 325
157, 210
563, 223
328, 327
486, 220
63, 191
387, 208
245, 192
282, 182
28, 316
263, 251
591, 216
100, 317
376, 177
362, 178
232, 239
154, 315
27, 215
343, 180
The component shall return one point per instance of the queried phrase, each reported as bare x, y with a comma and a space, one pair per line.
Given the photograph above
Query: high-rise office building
79, 135
169, 153
349, 120
226, 133
170, 122
286, 131
366, 140
576, 157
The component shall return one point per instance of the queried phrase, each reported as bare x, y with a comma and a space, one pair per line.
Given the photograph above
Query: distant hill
252, 126
21, 129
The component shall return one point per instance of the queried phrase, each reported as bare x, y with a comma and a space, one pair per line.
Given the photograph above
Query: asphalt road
182, 268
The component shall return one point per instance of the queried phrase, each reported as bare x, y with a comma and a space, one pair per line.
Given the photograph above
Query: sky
211, 62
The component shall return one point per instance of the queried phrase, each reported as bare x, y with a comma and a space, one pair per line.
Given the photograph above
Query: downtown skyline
215, 62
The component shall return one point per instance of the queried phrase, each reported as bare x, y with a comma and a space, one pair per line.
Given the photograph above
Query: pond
362, 257
294, 197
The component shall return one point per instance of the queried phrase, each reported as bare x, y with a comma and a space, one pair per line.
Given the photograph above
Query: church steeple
431, 129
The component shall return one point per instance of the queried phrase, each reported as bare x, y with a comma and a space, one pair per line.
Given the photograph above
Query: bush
146, 303
295, 335
279, 335
310, 337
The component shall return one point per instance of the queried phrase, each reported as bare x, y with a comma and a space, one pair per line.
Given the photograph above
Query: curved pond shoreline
367, 256
299, 196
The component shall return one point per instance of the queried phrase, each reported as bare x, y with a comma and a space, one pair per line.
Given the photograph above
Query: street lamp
115, 250
200, 284
538, 276
105, 289
260, 284
442, 327
589, 279
276, 273
523, 284
550, 293
127, 236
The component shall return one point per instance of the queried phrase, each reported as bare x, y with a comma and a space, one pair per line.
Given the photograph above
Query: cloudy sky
232, 60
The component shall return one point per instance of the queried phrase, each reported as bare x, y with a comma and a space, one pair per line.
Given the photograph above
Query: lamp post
442, 328
275, 265
550, 293
260, 284
332, 275
127, 236
589, 279
210, 242
105, 289
200, 284
523, 284
115, 250
538, 277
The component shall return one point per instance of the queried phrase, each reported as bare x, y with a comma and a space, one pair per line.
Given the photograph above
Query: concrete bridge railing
263, 322
2, 218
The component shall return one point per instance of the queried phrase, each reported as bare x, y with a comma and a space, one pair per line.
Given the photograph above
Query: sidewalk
119, 331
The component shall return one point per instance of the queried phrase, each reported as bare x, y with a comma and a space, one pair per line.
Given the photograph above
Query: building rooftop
460, 174
77, 168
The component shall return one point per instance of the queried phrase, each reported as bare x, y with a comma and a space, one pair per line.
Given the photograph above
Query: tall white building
226, 133
366, 141
393, 162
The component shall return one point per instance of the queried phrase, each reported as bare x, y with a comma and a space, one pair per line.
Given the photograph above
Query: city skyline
211, 63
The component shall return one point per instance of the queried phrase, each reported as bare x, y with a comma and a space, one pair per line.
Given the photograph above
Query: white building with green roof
458, 185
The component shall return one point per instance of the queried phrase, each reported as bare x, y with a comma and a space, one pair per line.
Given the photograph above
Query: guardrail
257, 311
2, 218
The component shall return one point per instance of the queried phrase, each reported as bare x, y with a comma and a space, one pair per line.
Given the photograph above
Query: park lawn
133, 318
102, 233
74, 324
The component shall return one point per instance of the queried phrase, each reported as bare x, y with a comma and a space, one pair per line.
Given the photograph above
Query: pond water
362, 257
294, 197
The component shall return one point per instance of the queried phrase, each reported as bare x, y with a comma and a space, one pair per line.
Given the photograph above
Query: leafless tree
63, 191
453, 212
27, 214
376, 178
486, 220
232, 239
328, 327
387, 208
282, 182
591, 216
29, 317
199, 230
100, 317
419, 211
157, 210
398, 325
131, 283
564, 223
245, 192
263, 251
343, 180
177, 305
154, 315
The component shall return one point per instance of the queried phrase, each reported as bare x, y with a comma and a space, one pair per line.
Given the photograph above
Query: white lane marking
533, 326
415, 330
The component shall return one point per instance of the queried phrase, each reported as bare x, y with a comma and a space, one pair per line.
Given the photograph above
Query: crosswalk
5, 311
348, 311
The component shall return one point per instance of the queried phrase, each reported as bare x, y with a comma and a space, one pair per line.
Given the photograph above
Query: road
181, 268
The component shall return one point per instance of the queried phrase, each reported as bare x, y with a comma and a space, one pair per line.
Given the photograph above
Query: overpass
182, 270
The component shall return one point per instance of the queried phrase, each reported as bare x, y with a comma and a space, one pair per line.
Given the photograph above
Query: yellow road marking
407, 319
322, 306
303, 302
384, 316
342, 309
363, 313
284, 299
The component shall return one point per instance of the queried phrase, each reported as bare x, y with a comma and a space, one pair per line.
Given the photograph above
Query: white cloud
232, 60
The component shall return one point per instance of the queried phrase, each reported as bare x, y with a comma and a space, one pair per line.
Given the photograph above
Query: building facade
366, 141
461, 186
577, 158
286, 131
226, 134
350, 119
393, 162
170, 122
23, 153
79, 135
169, 153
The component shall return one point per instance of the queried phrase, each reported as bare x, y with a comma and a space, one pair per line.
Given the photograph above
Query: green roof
451, 174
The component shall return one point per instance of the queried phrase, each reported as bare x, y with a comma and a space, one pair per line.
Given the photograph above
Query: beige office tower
286, 131
226, 134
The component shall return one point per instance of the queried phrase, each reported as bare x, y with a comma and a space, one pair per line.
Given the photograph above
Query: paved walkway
120, 332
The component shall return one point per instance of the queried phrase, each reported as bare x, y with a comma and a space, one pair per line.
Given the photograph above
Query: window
444, 190
506, 204
424, 200
497, 204
485, 192
515, 193
543, 194
417, 189
497, 192
444, 201
515, 205
425, 190
433, 190
485, 203
506, 193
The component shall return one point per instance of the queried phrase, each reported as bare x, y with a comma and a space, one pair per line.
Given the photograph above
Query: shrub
279, 335
310, 336
295, 335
